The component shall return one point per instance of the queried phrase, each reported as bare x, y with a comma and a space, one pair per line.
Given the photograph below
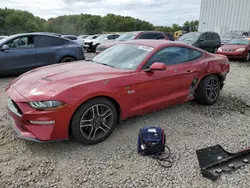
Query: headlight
241, 50
219, 50
100, 48
47, 105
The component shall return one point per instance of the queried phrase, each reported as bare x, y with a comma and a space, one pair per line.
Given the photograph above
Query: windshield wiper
101, 63
106, 64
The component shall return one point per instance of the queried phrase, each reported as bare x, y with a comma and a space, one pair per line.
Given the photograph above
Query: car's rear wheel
94, 121
208, 90
67, 59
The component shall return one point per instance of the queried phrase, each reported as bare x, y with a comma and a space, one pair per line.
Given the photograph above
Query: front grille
228, 50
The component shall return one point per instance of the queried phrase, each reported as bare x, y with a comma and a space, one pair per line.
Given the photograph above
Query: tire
203, 95
91, 127
247, 58
67, 59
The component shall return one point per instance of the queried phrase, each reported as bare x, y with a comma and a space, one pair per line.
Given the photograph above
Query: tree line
18, 21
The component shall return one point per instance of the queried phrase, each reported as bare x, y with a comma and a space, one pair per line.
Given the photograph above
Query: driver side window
21, 42
170, 56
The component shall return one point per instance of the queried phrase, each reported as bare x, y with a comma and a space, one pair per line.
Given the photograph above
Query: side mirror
202, 40
157, 66
5, 47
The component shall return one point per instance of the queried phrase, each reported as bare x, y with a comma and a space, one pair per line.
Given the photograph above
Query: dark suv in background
155, 35
23, 52
209, 41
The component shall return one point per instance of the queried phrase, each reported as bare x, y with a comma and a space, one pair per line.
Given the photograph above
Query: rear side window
110, 37
174, 55
193, 54
48, 41
71, 38
148, 36
116, 36
245, 34
113, 36
160, 36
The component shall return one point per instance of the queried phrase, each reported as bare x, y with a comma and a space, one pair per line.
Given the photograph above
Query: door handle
188, 71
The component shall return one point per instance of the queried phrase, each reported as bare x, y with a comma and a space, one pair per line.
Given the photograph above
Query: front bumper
233, 54
22, 116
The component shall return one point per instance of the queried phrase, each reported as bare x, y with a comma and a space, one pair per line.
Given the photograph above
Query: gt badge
131, 92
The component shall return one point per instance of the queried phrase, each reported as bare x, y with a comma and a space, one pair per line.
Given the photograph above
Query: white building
223, 16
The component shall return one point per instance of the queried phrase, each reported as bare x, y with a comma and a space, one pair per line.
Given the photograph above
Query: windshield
123, 56
126, 36
189, 37
239, 42
91, 37
232, 35
101, 37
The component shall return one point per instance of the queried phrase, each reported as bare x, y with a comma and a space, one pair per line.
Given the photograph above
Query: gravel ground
115, 162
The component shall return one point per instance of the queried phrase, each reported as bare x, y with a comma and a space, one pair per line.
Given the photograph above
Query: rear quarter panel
215, 64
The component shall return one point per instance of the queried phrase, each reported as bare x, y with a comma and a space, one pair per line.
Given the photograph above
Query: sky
157, 12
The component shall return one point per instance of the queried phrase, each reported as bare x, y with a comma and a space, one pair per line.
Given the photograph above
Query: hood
110, 43
48, 81
89, 40
233, 47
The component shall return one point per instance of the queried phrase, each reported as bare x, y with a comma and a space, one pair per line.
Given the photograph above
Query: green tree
17, 21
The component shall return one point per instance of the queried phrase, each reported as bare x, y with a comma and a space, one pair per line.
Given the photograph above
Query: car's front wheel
208, 90
94, 121
247, 58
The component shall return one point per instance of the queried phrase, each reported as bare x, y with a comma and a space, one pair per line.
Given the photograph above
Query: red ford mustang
87, 99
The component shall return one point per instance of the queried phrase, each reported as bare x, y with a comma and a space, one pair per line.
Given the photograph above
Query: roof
152, 43
35, 33
29, 34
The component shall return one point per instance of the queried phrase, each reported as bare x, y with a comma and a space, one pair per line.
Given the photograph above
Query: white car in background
88, 41
74, 38
92, 44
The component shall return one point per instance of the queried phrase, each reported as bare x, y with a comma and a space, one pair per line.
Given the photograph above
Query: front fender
94, 95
